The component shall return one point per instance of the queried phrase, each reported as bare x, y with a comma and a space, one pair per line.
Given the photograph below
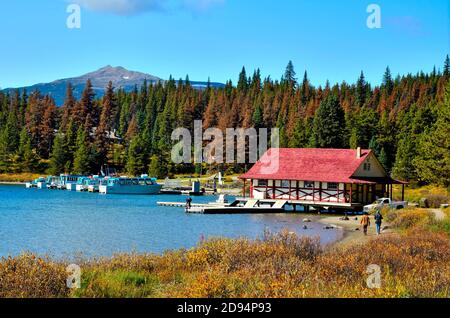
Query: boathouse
347, 178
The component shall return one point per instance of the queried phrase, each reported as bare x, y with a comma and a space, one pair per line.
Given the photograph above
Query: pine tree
300, 135
433, 159
257, 118
136, 158
69, 104
243, 81
156, 168
28, 157
82, 156
289, 75
59, 157
104, 128
47, 127
383, 159
447, 66
388, 83
83, 112
361, 90
329, 124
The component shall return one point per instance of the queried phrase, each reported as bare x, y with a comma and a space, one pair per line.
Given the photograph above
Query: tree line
405, 120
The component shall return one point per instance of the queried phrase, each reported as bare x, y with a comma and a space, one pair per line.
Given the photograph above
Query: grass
434, 194
18, 177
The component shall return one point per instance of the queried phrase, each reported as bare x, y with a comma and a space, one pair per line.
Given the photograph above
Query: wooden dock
254, 206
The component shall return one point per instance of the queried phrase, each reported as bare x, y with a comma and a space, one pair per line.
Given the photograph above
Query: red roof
324, 165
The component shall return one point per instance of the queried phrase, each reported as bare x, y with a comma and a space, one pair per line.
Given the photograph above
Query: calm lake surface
66, 224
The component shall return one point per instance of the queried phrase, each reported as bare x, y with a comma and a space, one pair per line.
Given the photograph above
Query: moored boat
68, 182
82, 184
36, 183
143, 185
52, 182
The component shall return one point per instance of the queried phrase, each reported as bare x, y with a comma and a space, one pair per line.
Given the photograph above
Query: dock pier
254, 206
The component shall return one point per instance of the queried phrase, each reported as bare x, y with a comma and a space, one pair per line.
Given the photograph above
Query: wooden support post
391, 192
244, 189
290, 190
320, 191
273, 190
351, 193
403, 192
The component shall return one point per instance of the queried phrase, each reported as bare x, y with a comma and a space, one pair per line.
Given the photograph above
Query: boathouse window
262, 183
309, 184
285, 184
367, 166
333, 186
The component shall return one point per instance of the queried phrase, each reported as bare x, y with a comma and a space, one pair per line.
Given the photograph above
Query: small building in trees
346, 178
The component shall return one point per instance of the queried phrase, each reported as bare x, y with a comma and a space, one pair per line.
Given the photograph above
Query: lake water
64, 224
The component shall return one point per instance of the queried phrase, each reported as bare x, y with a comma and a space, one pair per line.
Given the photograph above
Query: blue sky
215, 38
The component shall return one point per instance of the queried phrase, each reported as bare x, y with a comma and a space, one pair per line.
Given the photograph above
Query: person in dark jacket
378, 221
188, 203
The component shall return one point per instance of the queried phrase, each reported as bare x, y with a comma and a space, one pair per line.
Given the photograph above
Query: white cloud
134, 7
122, 7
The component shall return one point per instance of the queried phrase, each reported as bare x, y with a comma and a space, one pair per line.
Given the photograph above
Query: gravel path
438, 214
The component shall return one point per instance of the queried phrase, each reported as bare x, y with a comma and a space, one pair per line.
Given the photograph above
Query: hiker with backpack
378, 221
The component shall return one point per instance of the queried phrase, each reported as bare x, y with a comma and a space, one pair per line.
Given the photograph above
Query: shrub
435, 200
413, 264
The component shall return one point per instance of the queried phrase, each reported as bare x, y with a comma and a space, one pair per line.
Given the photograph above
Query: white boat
37, 183
94, 184
82, 184
123, 185
42, 185
68, 182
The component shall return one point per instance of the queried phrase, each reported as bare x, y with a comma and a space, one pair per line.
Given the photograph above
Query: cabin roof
312, 164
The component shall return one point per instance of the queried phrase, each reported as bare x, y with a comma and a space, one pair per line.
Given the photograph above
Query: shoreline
352, 236
12, 183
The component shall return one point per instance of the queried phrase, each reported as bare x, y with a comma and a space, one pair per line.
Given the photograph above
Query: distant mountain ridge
119, 76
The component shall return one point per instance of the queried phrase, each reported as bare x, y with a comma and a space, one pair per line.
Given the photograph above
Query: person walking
365, 222
378, 221
188, 203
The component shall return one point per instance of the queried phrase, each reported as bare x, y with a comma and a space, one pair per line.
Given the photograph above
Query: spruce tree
388, 83
136, 163
300, 136
82, 156
447, 66
361, 90
384, 159
156, 168
243, 81
69, 104
257, 118
289, 75
59, 157
329, 124
29, 159
105, 127
433, 158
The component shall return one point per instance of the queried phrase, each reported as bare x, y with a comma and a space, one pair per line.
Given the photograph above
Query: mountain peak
118, 75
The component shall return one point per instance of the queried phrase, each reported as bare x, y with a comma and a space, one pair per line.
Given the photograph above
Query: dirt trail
353, 236
438, 214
